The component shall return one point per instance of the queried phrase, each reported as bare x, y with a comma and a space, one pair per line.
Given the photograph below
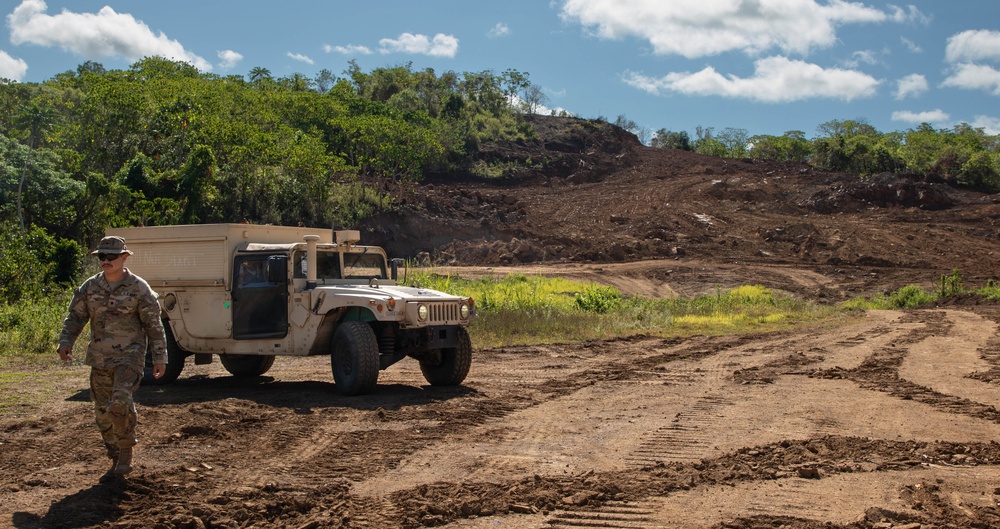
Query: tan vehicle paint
248, 293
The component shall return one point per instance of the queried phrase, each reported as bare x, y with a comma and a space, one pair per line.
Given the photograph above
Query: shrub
598, 299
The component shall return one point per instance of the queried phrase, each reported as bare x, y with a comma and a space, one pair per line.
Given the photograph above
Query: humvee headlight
169, 302
464, 311
422, 312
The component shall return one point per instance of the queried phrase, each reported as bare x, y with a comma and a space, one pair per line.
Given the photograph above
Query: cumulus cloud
975, 77
499, 30
229, 59
973, 45
94, 35
775, 80
301, 58
12, 68
440, 46
911, 86
348, 50
989, 124
696, 28
929, 116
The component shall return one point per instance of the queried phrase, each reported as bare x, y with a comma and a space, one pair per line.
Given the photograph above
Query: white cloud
973, 45
930, 116
301, 58
94, 35
775, 80
910, 45
499, 30
910, 14
229, 59
348, 50
975, 77
696, 28
12, 68
440, 46
862, 57
911, 86
989, 124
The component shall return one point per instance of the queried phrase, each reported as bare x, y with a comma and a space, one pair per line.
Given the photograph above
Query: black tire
247, 366
454, 363
354, 358
175, 362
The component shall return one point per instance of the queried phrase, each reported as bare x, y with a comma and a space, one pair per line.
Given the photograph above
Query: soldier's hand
66, 354
159, 370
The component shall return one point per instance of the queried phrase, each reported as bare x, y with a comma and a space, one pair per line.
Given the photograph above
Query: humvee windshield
361, 265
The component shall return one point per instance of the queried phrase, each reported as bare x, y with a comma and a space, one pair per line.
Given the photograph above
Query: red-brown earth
889, 420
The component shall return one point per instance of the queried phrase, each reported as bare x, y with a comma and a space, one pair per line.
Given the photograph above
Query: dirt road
885, 421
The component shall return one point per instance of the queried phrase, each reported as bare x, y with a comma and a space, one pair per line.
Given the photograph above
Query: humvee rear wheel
354, 358
246, 366
452, 364
175, 362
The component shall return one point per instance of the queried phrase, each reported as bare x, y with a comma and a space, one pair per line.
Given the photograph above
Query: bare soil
887, 420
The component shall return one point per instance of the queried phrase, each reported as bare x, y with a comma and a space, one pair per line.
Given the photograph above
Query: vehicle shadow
301, 396
91, 507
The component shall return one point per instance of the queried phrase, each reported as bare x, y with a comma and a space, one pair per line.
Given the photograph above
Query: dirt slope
602, 197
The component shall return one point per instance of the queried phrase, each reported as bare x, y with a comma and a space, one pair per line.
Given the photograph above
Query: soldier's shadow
89, 507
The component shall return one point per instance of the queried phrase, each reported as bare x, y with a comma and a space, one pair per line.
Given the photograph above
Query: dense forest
161, 143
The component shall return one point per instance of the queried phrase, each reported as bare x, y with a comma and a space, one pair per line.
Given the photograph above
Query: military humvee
248, 293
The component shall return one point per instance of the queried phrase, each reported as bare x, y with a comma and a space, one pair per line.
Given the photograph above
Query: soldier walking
124, 315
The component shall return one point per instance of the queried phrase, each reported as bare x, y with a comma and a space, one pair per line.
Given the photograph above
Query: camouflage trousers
111, 391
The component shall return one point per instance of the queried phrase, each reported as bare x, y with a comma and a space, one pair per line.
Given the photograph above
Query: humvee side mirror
394, 268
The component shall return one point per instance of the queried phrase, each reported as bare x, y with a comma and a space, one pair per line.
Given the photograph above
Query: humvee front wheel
354, 358
246, 366
451, 365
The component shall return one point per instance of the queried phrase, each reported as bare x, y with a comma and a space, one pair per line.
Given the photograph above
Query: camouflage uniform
122, 318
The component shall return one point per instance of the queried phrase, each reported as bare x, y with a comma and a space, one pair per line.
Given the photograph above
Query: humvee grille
440, 312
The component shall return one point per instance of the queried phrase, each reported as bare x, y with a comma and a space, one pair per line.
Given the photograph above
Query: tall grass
32, 327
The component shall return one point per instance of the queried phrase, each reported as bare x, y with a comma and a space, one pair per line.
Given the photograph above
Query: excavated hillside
589, 193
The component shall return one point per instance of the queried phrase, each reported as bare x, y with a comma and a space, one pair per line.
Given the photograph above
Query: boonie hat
112, 244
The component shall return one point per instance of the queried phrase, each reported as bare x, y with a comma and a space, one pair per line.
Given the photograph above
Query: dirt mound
589, 192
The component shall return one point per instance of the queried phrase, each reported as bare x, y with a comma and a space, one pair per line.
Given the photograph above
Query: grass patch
30, 369
25, 386
908, 297
519, 309
32, 327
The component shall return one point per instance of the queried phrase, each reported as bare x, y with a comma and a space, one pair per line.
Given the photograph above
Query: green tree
667, 139
735, 140
792, 146
37, 116
196, 185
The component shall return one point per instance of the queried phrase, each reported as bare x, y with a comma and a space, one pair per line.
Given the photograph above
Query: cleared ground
876, 421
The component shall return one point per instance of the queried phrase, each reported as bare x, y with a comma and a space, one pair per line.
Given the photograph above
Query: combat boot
123, 465
110, 474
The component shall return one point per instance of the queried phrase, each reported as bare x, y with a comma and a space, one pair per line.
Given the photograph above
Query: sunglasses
108, 256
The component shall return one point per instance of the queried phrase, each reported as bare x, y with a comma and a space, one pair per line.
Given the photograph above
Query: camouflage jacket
122, 319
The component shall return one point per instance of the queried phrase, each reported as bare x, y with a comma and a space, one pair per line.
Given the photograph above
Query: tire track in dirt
669, 412
881, 370
944, 363
824, 414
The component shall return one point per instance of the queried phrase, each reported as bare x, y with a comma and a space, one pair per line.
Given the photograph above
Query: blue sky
767, 66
